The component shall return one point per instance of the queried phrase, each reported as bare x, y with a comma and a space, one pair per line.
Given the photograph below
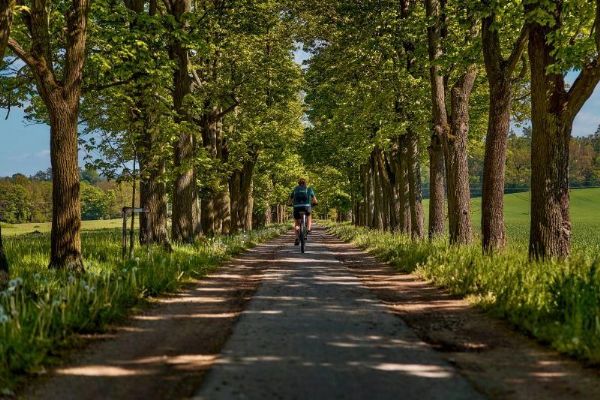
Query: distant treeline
29, 199
584, 166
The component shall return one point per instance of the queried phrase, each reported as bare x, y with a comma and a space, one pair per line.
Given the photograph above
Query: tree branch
112, 84
583, 87
587, 79
76, 41
229, 109
22, 54
517, 51
492, 53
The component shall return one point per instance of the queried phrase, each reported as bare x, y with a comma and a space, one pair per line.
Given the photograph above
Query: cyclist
302, 198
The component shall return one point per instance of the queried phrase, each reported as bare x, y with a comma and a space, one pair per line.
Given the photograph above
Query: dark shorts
298, 210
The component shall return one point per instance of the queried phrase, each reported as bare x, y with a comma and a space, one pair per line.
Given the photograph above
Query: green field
44, 227
585, 217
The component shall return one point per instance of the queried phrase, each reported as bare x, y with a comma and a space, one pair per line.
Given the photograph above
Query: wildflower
3, 316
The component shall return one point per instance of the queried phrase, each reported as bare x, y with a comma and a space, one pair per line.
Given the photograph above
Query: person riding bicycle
302, 198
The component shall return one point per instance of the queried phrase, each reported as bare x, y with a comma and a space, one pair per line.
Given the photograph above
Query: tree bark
65, 240
211, 223
499, 72
494, 165
240, 188
440, 122
403, 186
185, 224
6, 18
457, 167
369, 201
553, 111
377, 194
153, 198
385, 183
414, 182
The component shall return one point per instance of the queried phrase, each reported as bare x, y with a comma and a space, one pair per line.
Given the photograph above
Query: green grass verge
556, 302
42, 309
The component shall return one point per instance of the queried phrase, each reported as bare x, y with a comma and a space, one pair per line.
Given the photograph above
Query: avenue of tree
397, 89
202, 102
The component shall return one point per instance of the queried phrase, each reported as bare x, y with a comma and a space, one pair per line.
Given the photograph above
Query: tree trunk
440, 122
153, 198
499, 72
185, 209
391, 160
65, 247
364, 178
414, 181
185, 215
61, 97
4, 276
550, 233
369, 203
494, 165
153, 190
457, 167
385, 183
403, 187
6, 17
377, 194
249, 207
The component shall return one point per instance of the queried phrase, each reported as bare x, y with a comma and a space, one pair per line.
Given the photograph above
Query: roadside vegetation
43, 309
557, 302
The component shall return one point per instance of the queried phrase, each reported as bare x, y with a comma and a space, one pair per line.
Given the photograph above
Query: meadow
42, 310
44, 227
556, 302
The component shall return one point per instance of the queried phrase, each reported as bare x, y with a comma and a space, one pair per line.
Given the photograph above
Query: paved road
313, 332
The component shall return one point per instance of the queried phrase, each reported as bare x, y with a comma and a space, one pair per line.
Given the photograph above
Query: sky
25, 148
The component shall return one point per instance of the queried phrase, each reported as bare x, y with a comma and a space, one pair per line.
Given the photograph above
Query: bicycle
303, 231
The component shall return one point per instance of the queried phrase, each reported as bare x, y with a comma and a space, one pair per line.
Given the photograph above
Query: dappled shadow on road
500, 362
312, 331
164, 351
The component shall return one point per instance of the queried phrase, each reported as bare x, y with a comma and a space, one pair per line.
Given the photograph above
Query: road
312, 331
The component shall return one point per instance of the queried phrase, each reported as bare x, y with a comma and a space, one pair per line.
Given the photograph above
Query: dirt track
314, 330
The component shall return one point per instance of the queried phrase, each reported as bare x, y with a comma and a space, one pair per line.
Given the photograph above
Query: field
42, 310
585, 217
44, 227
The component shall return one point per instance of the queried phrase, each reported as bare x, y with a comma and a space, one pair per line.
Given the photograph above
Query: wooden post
124, 238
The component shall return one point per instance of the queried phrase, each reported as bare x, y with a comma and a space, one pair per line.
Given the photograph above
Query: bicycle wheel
303, 233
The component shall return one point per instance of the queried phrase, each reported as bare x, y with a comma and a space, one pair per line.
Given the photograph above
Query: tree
6, 17
185, 224
440, 120
554, 48
500, 79
451, 44
60, 95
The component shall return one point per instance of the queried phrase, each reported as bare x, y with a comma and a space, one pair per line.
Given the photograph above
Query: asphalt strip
311, 331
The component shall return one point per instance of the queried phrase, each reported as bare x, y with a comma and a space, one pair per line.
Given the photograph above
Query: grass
556, 302
585, 216
42, 310
44, 227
